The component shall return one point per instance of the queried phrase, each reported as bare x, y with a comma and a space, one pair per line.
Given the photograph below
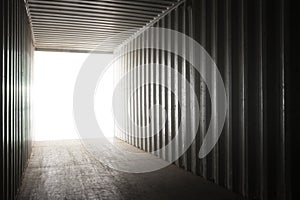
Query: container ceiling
81, 25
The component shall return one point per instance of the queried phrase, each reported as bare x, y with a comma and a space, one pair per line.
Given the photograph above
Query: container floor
65, 170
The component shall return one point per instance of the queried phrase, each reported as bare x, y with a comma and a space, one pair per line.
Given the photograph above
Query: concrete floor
65, 170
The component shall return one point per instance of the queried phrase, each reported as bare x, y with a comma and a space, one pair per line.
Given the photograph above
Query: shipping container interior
246, 69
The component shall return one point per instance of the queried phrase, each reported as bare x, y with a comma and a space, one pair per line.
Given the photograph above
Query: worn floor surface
65, 170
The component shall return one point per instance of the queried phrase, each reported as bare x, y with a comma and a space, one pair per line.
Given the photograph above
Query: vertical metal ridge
228, 85
2, 102
175, 107
169, 82
184, 91
143, 92
164, 131
151, 93
200, 35
244, 103
147, 92
261, 100
193, 148
158, 96
282, 179
289, 147
214, 97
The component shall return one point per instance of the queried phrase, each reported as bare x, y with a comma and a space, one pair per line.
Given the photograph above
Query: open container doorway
54, 79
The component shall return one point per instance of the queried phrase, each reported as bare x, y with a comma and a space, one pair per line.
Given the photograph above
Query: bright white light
103, 103
53, 84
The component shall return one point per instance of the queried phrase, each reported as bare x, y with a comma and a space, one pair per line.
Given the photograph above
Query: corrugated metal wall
16, 64
248, 41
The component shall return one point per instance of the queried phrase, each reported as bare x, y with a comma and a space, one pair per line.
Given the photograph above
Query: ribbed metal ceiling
81, 25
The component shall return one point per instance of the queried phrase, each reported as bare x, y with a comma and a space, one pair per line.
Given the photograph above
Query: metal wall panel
248, 40
16, 65
81, 25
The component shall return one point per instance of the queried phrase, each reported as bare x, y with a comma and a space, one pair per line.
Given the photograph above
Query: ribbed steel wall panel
248, 40
16, 64
89, 23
